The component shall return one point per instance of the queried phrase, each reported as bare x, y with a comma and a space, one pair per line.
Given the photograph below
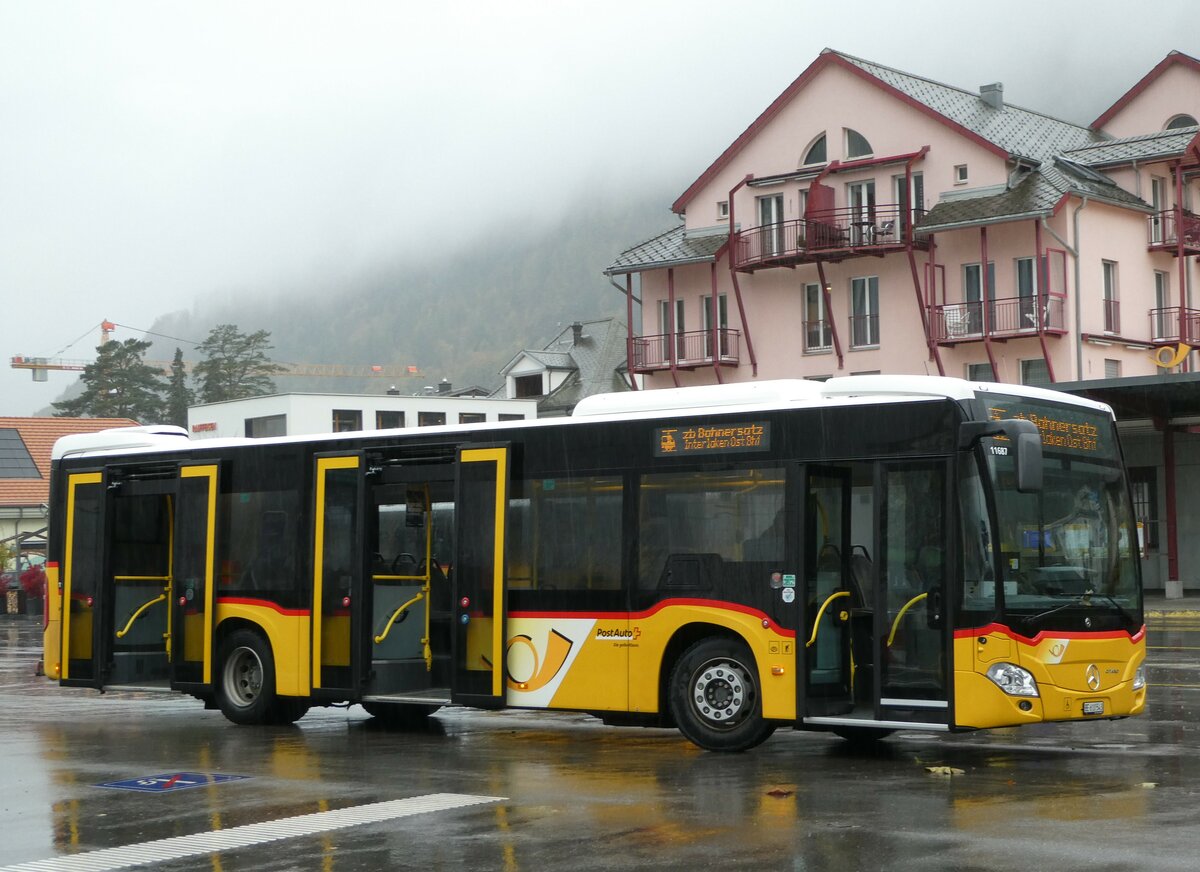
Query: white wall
313, 413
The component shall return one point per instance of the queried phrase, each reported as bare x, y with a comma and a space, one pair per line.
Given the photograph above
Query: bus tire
246, 679
399, 715
289, 709
715, 696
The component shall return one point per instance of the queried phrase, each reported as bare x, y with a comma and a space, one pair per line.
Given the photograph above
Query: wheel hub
719, 692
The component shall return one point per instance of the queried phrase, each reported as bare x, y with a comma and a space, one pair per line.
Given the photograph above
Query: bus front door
479, 583
876, 643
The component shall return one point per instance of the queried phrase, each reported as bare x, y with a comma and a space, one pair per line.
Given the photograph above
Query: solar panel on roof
15, 460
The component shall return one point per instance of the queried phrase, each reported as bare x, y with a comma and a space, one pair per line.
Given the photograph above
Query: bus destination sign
715, 439
1061, 428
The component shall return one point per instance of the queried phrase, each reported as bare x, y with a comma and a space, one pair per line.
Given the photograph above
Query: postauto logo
619, 634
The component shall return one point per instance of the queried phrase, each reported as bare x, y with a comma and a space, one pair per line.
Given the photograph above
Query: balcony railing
691, 349
818, 335
1165, 230
864, 331
848, 232
1164, 325
1009, 316
1112, 316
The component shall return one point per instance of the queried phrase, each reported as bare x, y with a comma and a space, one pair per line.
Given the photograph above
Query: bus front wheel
715, 697
246, 682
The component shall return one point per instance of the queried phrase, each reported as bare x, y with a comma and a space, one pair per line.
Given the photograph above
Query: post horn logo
1093, 677
1169, 358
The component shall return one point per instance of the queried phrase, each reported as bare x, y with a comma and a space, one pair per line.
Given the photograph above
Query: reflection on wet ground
578, 795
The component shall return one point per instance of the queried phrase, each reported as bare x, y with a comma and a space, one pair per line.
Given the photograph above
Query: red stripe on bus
653, 610
248, 601
52, 564
1050, 634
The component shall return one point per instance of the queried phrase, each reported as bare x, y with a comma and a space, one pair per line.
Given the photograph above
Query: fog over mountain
458, 314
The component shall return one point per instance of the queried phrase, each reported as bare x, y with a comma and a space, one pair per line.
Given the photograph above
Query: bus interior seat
861, 577
691, 572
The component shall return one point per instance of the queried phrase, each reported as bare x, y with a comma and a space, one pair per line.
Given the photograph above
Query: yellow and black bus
861, 555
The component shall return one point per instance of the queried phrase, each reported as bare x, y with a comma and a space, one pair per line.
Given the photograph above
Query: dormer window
1182, 120
816, 152
857, 145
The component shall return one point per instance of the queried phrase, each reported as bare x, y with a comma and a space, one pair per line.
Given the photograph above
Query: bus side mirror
1024, 442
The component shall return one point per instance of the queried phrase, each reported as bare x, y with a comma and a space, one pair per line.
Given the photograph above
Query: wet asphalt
562, 791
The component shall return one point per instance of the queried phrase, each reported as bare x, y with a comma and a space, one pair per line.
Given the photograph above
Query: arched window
857, 145
816, 152
1182, 120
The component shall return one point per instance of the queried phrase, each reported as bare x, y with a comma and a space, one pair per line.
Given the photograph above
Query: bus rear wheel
715, 697
246, 680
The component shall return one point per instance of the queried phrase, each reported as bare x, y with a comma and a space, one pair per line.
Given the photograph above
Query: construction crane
40, 367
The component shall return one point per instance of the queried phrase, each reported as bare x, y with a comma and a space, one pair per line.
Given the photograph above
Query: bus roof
626, 405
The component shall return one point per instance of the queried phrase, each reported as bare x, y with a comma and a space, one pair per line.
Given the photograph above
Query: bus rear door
137, 579
479, 580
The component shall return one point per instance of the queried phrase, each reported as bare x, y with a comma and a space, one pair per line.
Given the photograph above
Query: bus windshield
1063, 558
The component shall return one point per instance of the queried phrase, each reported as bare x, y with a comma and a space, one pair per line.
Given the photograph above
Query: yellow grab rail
821, 613
121, 633
896, 623
396, 614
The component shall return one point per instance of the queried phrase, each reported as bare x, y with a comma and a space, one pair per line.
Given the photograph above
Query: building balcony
690, 350
1168, 228
1166, 325
834, 235
1008, 318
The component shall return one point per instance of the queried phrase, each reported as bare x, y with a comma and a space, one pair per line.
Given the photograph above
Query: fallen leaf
945, 771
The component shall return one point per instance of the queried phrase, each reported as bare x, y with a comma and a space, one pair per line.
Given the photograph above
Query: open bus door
84, 561
876, 633
337, 605
479, 588
137, 579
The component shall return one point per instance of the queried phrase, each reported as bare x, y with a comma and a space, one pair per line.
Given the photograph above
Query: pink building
871, 220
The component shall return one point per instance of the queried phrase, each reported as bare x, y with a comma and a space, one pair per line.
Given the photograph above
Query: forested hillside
458, 314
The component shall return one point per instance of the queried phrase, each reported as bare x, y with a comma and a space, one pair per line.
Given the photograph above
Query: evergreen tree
235, 365
179, 395
118, 385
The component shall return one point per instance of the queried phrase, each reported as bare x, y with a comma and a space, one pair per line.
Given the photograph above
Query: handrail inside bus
396, 614
820, 614
896, 623
121, 632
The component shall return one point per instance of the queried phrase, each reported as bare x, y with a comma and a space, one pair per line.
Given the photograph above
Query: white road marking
251, 834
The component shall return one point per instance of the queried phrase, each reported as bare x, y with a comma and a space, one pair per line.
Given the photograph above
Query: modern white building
295, 414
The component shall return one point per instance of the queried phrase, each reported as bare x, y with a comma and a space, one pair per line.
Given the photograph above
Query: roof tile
39, 436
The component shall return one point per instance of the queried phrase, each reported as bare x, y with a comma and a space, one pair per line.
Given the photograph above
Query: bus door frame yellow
479, 580
183, 599
89, 603
357, 644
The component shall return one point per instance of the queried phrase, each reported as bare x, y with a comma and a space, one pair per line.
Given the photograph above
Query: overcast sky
153, 154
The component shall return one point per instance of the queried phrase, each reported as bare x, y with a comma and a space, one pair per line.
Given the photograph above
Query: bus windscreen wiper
1080, 599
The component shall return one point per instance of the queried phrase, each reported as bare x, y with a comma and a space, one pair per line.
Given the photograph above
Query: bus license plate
1096, 707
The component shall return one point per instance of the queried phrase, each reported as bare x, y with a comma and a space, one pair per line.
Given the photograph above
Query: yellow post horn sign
1173, 356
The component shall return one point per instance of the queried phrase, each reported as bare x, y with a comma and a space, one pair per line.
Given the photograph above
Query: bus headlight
1139, 678
1013, 680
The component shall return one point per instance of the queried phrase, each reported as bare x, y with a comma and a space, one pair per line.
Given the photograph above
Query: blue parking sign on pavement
171, 781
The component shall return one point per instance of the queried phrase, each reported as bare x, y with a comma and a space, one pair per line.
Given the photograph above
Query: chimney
576, 333
992, 95
444, 386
